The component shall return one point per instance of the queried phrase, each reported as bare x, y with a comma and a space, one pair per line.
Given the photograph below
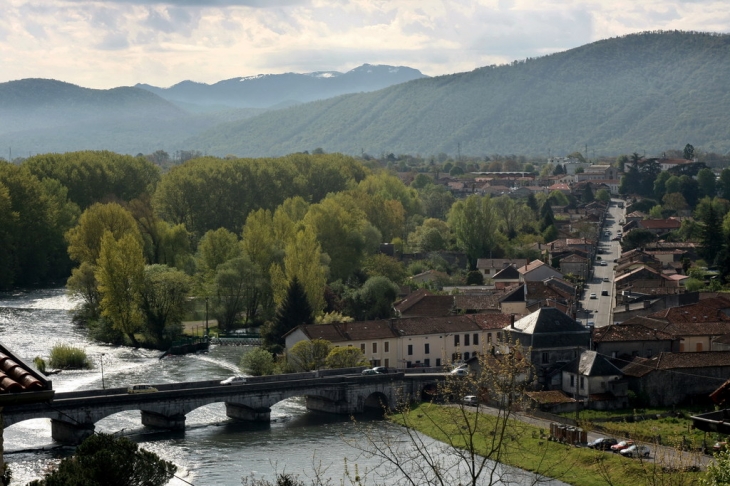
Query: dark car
381, 369
603, 444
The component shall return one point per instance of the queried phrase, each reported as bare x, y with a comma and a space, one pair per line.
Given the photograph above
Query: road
599, 309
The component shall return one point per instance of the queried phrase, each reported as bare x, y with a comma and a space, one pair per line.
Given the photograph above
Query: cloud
106, 43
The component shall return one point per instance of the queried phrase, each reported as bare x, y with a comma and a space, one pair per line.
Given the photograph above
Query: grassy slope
578, 466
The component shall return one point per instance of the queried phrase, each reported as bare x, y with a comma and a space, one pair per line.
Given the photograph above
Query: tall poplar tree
294, 311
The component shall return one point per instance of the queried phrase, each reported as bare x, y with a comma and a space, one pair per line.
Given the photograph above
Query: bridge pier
70, 433
242, 412
160, 421
340, 407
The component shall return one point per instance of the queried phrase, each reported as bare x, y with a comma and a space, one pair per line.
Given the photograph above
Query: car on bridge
369, 372
141, 388
234, 380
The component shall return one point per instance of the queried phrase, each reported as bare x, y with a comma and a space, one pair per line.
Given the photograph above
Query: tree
84, 240
689, 152
385, 266
374, 300
348, 357
603, 195
660, 184
303, 261
636, 238
711, 236
239, 287
258, 362
294, 311
163, 300
707, 183
474, 223
106, 460
120, 272
718, 470
587, 196
674, 202
690, 189
725, 183
82, 285
309, 355
215, 248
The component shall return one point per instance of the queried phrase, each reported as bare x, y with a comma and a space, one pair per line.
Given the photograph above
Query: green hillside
642, 92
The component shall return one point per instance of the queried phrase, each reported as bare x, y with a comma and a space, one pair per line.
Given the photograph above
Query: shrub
67, 357
40, 364
258, 362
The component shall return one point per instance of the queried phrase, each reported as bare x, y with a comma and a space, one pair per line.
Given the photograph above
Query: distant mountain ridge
272, 90
641, 92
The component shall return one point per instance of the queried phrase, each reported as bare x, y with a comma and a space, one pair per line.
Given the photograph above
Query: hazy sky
107, 43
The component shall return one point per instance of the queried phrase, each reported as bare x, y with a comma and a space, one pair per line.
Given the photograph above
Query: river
213, 450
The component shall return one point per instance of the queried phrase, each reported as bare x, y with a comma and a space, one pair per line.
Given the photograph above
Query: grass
526, 447
67, 357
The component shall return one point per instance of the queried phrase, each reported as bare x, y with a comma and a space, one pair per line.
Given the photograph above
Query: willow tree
474, 222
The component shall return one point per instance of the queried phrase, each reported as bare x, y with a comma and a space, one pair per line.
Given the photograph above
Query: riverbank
520, 444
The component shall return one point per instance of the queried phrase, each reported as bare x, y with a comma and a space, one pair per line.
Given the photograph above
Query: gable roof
629, 332
534, 264
507, 273
547, 320
499, 263
477, 302
590, 363
706, 310
425, 303
676, 361
660, 224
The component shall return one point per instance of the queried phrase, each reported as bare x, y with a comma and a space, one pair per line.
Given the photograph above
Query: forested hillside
641, 92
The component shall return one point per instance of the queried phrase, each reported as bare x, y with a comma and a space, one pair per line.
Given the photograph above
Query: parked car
719, 446
234, 380
605, 279
460, 372
470, 400
622, 445
593, 295
369, 371
602, 444
604, 292
635, 451
603, 263
141, 388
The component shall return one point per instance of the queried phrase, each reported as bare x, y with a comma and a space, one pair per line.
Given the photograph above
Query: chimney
512, 321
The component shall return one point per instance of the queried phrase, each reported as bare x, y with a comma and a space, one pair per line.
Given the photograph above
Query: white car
234, 380
460, 372
635, 451
605, 279
471, 400
593, 295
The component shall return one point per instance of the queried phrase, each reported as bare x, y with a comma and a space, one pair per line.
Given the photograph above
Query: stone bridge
74, 414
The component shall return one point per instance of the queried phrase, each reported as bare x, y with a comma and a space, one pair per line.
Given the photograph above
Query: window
386, 362
489, 337
456, 339
499, 336
681, 347
438, 361
582, 382
466, 340
572, 381
386, 347
466, 356
410, 350
476, 339
426, 362
545, 358
375, 348
613, 354
362, 348
699, 346
374, 362
427, 348
649, 352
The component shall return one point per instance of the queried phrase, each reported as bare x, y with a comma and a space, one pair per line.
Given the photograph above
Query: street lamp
101, 358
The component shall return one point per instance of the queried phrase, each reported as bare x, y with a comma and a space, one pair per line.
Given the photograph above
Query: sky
107, 43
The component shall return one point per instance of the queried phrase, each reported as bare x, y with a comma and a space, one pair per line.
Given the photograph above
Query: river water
213, 450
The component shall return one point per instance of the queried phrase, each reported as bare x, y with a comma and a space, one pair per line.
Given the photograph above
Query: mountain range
643, 93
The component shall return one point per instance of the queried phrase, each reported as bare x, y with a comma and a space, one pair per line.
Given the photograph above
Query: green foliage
84, 240
474, 223
309, 355
345, 357
474, 277
67, 357
636, 238
603, 195
106, 460
258, 362
164, 302
718, 471
239, 290
384, 266
40, 364
374, 300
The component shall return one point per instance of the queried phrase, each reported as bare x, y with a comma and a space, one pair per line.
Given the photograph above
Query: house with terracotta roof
696, 325
477, 302
575, 264
637, 337
659, 226
411, 342
491, 266
593, 378
674, 378
423, 303
537, 270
